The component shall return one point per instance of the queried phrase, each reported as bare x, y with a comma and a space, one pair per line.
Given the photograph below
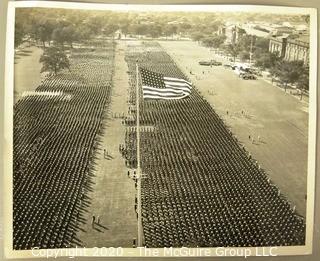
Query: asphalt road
27, 68
113, 194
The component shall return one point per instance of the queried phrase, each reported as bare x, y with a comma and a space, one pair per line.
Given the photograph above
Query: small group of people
253, 140
251, 137
133, 175
118, 115
95, 220
106, 154
227, 111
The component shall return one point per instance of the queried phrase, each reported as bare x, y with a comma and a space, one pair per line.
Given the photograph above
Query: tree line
68, 26
59, 27
289, 72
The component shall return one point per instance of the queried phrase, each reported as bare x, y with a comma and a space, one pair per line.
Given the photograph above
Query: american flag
156, 86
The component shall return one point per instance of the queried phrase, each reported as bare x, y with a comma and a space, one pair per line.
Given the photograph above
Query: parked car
210, 63
247, 76
228, 66
206, 63
216, 63
255, 72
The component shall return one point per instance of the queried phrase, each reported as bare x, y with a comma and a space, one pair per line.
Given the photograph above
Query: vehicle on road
254, 71
210, 63
227, 66
247, 76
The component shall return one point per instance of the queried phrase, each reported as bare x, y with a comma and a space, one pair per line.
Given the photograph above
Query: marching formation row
55, 137
201, 187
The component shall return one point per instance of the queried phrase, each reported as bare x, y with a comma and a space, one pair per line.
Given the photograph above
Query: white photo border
138, 252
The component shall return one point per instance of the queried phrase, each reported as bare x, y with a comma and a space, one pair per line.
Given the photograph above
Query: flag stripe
177, 84
156, 86
179, 88
146, 92
164, 90
176, 80
164, 97
168, 94
163, 94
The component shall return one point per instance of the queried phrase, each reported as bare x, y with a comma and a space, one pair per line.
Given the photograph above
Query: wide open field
254, 108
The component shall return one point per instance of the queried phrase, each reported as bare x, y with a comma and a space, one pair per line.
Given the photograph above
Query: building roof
253, 31
304, 38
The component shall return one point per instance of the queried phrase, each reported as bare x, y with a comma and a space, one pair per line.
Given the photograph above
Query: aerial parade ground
226, 166
255, 108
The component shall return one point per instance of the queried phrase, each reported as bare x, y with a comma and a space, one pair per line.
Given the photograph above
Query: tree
170, 30
70, 34
244, 55
19, 33
83, 32
42, 30
207, 41
67, 33
245, 42
306, 18
139, 29
261, 44
96, 24
214, 25
58, 36
233, 50
303, 81
124, 25
214, 41
266, 60
110, 29
155, 31
242, 35
219, 40
125, 28
54, 59
197, 36
184, 27
289, 72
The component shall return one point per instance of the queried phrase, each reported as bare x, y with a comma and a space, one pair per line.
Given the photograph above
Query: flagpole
138, 160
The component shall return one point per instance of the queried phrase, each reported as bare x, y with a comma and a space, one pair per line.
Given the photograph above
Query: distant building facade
278, 45
290, 49
297, 50
232, 32
290, 43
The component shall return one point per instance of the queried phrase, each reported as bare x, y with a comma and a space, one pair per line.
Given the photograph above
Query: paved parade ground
113, 195
254, 108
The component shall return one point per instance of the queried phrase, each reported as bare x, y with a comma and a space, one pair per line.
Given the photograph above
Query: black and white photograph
139, 127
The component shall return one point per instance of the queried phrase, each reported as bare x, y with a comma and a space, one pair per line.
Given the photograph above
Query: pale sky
165, 8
